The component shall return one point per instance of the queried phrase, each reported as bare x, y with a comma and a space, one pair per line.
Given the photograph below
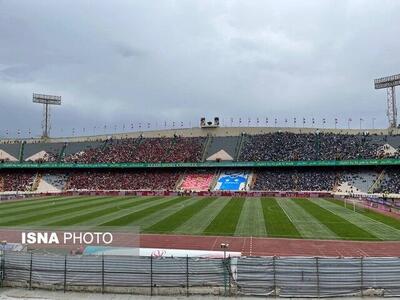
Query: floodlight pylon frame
46, 100
391, 106
389, 83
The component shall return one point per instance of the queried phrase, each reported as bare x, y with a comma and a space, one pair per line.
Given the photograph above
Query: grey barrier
126, 274
255, 276
318, 276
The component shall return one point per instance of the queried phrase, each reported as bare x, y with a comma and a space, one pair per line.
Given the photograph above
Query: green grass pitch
259, 217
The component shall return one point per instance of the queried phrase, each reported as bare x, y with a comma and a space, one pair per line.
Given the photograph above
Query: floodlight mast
46, 100
389, 83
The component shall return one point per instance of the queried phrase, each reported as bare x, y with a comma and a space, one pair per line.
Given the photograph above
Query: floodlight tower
389, 83
46, 100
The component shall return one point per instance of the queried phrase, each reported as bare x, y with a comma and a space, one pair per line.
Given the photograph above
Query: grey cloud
139, 61
128, 51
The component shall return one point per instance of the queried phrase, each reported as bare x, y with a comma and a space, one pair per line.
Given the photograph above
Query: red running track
256, 246
272, 246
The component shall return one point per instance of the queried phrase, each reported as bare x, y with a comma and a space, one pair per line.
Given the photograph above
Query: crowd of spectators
391, 183
152, 150
268, 180
16, 181
122, 180
283, 146
292, 180
276, 146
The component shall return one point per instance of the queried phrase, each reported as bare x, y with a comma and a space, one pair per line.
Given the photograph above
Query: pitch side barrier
214, 164
174, 193
9, 197
378, 202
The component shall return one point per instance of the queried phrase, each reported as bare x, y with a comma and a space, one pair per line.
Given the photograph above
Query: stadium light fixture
46, 100
389, 82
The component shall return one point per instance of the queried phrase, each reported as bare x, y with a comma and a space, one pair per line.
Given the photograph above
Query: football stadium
257, 193
207, 181
207, 149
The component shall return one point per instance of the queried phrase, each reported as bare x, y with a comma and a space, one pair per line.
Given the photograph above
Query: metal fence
318, 277
258, 276
145, 275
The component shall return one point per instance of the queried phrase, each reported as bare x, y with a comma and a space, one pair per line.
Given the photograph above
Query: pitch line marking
290, 219
380, 230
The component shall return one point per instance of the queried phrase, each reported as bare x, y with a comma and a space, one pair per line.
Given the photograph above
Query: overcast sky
123, 62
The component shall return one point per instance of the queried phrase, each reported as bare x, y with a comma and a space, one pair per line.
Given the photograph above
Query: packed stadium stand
295, 180
16, 181
175, 149
222, 147
122, 180
342, 181
274, 146
283, 146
